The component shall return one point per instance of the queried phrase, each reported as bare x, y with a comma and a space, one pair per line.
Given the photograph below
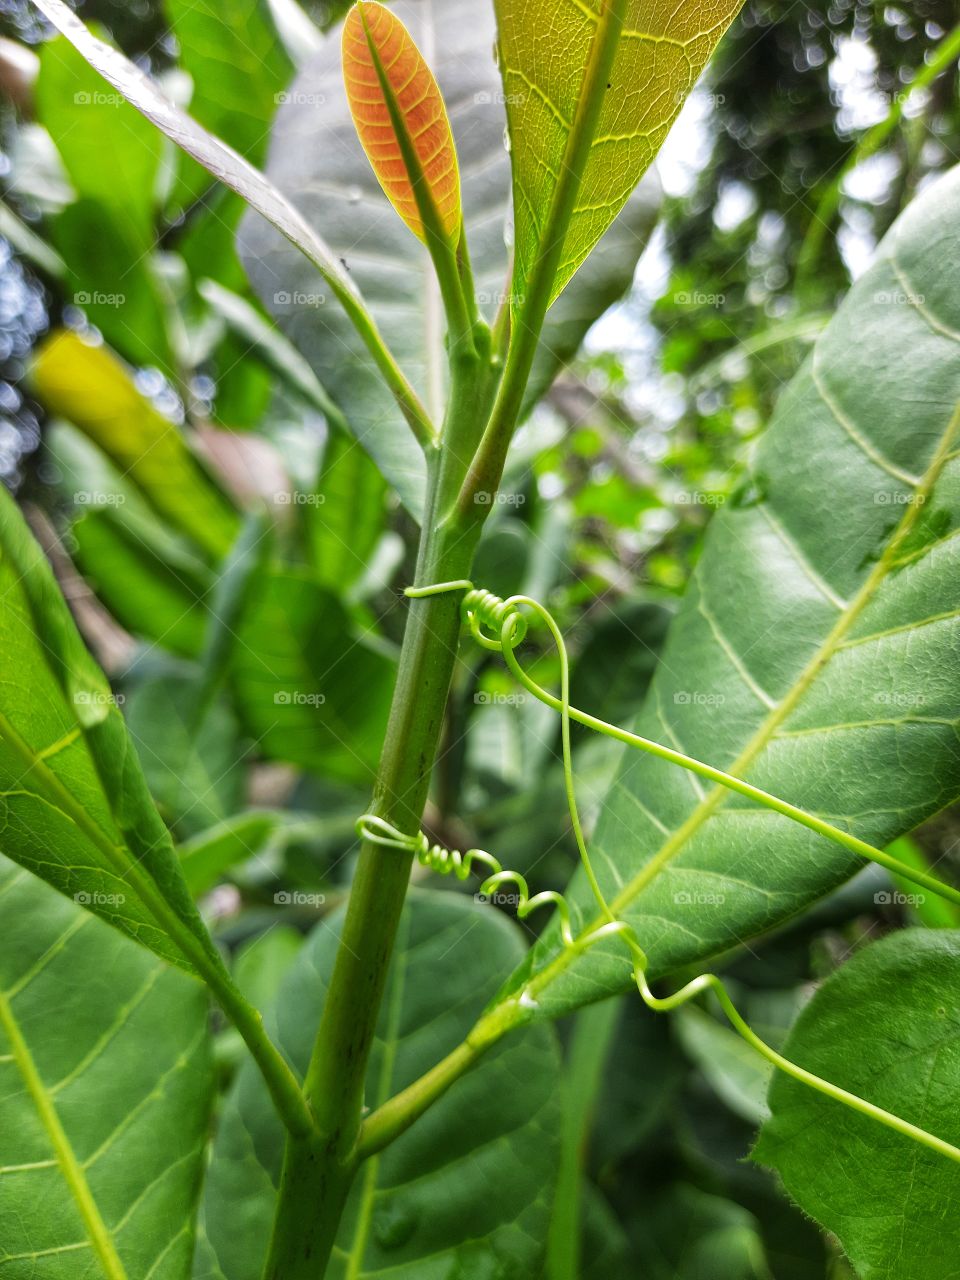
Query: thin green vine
484, 613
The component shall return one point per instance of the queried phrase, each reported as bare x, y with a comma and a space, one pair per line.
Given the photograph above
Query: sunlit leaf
74, 807
376, 44
654, 52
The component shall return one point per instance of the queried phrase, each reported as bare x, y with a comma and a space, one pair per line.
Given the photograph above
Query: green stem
318, 1174
487, 467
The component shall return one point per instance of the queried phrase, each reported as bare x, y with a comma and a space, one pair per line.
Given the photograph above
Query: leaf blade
375, 43
885, 1026
78, 1090
443, 970
545, 54
850, 590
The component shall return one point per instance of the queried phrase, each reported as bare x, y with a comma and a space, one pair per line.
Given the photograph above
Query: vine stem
319, 1170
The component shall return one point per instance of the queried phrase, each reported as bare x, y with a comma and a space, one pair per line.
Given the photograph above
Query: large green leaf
74, 807
316, 158
310, 690
816, 651
110, 152
547, 51
238, 66
105, 1089
467, 1190
89, 386
106, 236
886, 1026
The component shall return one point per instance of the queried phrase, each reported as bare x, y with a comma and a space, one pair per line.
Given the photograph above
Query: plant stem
318, 1171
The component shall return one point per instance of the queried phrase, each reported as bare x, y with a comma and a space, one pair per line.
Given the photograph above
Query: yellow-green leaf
642, 57
91, 388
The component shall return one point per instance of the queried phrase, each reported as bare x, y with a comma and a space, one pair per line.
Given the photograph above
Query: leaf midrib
762, 737
70, 1167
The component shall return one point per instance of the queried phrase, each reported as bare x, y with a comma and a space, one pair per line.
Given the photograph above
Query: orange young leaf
373, 34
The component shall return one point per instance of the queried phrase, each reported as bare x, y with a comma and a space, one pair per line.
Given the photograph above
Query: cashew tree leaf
549, 51
407, 1211
102, 1120
316, 158
886, 1026
74, 806
816, 651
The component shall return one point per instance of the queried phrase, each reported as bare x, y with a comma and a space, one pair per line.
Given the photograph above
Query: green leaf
467, 1190
346, 518
238, 67
150, 579
105, 1091
206, 856
548, 51
885, 1026
309, 690
74, 807
815, 649
88, 386
112, 278
315, 157
736, 1072
111, 154
191, 761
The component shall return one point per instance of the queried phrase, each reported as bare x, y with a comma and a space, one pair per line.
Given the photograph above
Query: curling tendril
499, 626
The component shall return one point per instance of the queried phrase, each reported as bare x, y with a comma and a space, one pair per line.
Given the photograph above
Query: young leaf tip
377, 47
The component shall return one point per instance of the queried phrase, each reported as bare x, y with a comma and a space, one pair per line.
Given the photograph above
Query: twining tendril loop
498, 625
452, 862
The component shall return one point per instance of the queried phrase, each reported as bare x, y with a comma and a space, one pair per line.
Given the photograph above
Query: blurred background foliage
235, 561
